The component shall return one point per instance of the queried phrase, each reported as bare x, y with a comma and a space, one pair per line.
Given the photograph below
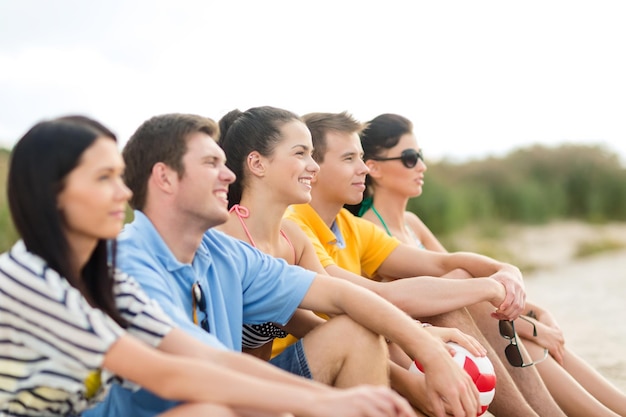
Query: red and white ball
479, 369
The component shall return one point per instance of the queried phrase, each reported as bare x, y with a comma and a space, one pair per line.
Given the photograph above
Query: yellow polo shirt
354, 244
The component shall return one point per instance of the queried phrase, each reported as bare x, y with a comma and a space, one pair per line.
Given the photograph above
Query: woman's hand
549, 334
450, 334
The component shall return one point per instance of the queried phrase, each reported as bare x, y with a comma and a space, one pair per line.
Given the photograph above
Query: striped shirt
52, 342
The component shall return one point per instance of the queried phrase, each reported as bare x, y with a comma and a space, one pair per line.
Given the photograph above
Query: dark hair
160, 139
256, 129
40, 163
321, 123
381, 133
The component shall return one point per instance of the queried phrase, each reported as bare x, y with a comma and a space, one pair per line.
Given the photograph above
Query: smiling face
291, 168
393, 175
202, 191
341, 179
93, 198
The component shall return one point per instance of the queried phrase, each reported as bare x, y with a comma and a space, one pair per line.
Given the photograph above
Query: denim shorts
293, 360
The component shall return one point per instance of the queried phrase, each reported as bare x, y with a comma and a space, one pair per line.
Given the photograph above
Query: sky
477, 78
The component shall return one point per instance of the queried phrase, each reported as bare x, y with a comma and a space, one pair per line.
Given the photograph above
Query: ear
164, 177
255, 163
374, 168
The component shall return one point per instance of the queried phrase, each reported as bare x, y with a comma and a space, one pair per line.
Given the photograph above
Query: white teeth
305, 181
221, 194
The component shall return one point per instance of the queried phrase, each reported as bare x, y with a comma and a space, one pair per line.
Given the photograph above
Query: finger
559, 356
393, 405
438, 405
473, 400
464, 402
471, 344
404, 408
450, 349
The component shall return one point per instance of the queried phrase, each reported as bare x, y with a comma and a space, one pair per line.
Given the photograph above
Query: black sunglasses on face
408, 157
198, 300
512, 351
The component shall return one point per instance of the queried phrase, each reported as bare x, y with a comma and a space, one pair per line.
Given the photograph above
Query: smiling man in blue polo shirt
179, 179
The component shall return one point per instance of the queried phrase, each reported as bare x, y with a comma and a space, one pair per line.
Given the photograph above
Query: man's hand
449, 387
361, 401
515, 299
450, 334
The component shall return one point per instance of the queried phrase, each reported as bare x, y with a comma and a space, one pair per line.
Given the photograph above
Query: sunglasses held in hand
512, 352
408, 157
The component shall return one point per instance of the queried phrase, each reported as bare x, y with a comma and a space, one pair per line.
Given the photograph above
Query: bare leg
595, 383
508, 400
344, 354
411, 386
527, 380
568, 393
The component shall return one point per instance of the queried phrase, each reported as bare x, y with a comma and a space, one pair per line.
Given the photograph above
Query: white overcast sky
477, 78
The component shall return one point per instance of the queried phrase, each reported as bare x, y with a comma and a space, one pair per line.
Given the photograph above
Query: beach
587, 295
588, 298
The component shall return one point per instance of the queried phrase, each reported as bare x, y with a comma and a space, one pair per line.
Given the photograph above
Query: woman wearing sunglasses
71, 323
397, 171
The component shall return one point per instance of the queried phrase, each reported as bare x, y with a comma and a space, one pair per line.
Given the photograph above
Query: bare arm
408, 261
418, 297
424, 234
428, 296
238, 380
445, 379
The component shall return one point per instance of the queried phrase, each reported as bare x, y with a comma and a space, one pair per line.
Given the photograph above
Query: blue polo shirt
241, 284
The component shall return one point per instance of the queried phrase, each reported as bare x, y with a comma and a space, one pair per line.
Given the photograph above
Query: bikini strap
381, 220
243, 213
295, 255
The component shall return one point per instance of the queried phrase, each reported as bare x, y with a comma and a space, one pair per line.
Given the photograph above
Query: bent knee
347, 329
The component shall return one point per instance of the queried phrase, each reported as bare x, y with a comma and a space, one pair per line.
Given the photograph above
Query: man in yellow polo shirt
348, 245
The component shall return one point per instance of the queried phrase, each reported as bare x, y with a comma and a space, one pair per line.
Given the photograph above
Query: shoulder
23, 272
225, 250
217, 240
292, 230
19, 258
416, 224
413, 220
295, 235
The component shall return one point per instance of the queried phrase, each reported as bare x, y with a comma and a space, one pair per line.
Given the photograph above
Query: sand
586, 295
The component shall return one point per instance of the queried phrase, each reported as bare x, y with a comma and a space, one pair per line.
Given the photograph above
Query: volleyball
479, 369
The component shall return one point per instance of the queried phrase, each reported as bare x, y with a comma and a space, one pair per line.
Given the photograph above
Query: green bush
531, 185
